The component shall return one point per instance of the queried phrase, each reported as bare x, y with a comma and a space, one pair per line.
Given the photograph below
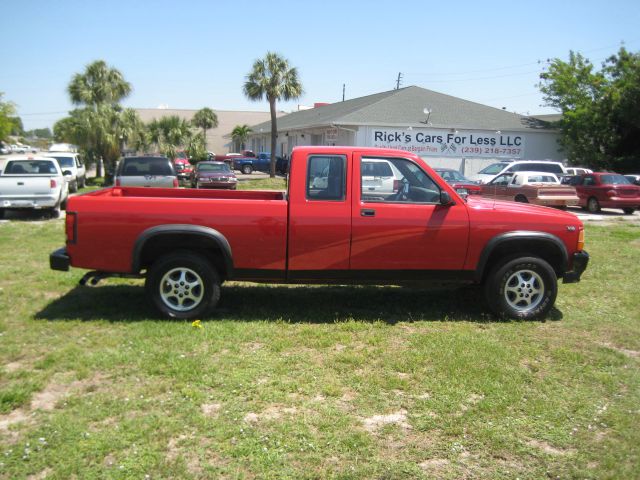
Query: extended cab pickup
187, 242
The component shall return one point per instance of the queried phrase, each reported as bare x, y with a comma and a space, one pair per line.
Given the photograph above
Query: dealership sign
450, 143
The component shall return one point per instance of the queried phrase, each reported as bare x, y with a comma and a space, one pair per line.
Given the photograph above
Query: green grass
277, 183
316, 382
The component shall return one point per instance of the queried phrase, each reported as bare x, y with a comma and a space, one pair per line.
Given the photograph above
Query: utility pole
398, 80
343, 85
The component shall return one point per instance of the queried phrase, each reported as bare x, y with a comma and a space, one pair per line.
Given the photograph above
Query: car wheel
593, 206
628, 211
183, 285
1, 213
247, 169
521, 199
83, 182
522, 288
73, 186
55, 212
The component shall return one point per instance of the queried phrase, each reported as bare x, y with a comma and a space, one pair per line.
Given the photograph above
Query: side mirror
445, 198
67, 173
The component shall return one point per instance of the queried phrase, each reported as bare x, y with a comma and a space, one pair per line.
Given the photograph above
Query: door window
326, 177
396, 180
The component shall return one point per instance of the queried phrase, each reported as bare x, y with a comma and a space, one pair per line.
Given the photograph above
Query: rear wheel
522, 288
247, 169
73, 186
593, 205
628, 211
183, 285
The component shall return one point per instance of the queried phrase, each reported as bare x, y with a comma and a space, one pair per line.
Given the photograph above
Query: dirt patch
40, 476
626, 352
173, 449
254, 346
55, 391
375, 423
435, 466
273, 412
210, 409
13, 367
547, 448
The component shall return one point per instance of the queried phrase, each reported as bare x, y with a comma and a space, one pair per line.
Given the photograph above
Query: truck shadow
299, 304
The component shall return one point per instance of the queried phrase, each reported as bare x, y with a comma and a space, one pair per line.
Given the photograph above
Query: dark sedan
462, 184
213, 175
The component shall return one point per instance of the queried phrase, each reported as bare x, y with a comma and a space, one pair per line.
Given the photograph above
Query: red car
213, 175
606, 190
183, 166
462, 184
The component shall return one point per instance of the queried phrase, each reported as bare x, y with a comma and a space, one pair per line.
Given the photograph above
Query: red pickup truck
325, 229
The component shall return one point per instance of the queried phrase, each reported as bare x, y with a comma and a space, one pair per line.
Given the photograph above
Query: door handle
367, 212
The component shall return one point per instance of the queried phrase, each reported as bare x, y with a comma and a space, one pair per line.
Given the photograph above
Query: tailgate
24, 185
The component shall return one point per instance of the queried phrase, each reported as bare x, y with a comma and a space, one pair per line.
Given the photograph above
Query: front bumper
59, 260
580, 262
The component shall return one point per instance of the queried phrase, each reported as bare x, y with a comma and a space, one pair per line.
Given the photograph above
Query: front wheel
523, 288
593, 206
247, 169
183, 285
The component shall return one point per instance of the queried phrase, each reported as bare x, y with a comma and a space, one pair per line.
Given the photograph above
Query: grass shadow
299, 304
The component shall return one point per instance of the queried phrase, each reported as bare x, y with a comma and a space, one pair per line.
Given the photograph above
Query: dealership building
445, 130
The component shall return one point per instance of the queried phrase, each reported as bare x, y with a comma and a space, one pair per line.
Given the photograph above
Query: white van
73, 164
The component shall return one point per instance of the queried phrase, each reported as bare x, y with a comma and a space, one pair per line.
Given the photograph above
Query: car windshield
614, 180
64, 161
213, 167
452, 176
493, 169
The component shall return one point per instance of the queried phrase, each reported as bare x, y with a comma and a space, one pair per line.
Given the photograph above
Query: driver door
407, 230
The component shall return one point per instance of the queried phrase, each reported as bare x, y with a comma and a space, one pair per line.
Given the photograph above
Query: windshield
614, 180
452, 176
493, 169
213, 167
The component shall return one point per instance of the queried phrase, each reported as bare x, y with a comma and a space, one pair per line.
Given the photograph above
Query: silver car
146, 172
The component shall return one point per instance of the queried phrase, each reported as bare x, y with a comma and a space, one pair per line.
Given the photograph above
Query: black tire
1, 213
593, 206
183, 285
73, 186
521, 199
83, 182
247, 169
628, 211
523, 288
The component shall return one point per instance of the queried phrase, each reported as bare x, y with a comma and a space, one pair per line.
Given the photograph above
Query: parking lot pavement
605, 215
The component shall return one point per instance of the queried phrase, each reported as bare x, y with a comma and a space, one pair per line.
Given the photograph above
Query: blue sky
192, 54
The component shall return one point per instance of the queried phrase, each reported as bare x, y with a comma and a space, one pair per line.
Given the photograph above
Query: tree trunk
274, 134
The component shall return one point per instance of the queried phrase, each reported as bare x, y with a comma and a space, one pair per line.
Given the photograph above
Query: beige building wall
218, 139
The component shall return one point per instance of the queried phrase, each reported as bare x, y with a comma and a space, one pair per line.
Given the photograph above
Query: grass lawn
316, 382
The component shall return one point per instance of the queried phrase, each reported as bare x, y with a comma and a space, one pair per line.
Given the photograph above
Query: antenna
399, 80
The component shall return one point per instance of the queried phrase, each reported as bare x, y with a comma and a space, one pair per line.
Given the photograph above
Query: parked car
188, 242
606, 190
492, 171
248, 164
213, 175
33, 183
379, 177
4, 149
18, 148
73, 164
146, 172
633, 178
462, 184
183, 167
539, 188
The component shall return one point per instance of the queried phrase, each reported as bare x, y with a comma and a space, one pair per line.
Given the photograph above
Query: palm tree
169, 133
98, 85
271, 77
239, 135
205, 119
100, 88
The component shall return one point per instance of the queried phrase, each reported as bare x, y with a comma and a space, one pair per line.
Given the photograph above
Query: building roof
405, 107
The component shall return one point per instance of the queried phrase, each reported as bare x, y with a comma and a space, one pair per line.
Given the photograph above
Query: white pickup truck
33, 182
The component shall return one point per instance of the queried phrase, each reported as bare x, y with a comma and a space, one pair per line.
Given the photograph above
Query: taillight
581, 240
118, 182
175, 183
53, 183
70, 227
396, 185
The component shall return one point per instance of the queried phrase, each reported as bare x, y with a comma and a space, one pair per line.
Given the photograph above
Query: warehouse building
445, 130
